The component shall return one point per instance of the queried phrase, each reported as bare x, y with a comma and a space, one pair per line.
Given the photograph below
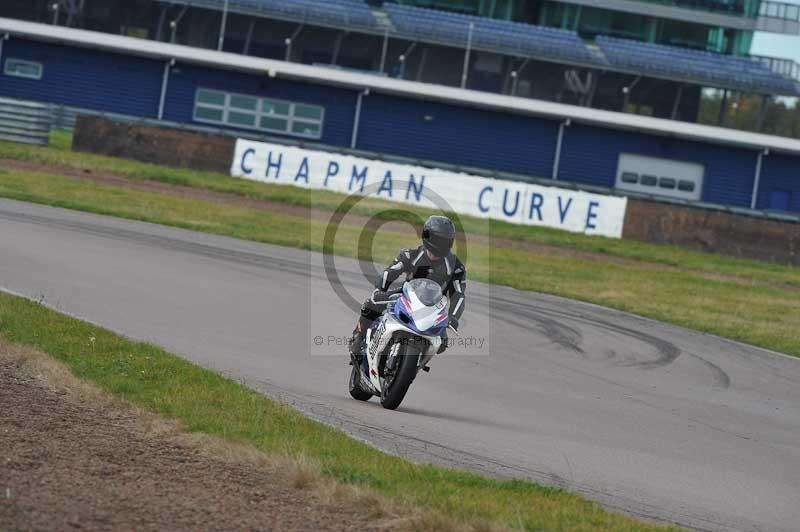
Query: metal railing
64, 117
778, 17
31, 122
785, 67
779, 10
27, 122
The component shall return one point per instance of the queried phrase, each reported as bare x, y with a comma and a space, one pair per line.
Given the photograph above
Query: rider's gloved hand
379, 295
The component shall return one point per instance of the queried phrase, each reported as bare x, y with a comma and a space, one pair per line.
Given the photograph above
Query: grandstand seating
699, 66
328, 12
513, 38
519, 39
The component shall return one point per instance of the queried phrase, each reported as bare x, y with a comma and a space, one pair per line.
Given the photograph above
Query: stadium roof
413, 89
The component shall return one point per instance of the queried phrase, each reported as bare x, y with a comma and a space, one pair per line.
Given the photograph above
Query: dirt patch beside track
73, 458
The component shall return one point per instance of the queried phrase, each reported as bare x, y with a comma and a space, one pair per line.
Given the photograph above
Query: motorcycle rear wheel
394, 391
356, 392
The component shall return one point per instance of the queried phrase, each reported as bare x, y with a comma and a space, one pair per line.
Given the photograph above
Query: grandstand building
515, 90
651, 57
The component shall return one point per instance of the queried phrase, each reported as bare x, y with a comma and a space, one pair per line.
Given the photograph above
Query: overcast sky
776, 45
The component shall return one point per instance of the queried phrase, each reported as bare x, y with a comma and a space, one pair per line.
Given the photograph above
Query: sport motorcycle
400, 343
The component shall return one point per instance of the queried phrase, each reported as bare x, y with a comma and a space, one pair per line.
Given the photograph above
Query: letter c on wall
245, 169
481, 207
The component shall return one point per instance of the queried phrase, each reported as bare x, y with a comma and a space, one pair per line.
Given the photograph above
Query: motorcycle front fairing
409, 316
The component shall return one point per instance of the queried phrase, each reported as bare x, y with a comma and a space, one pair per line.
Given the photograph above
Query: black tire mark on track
667, 352
721, 379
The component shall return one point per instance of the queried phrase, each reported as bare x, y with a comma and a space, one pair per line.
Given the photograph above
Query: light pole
627, 92
173, 24
403, 58
384, 49
222, 25
465, 72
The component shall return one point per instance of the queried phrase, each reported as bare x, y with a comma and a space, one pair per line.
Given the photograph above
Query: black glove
383, 296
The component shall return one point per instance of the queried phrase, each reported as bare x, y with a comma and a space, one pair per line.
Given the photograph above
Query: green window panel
23, 69
260, 114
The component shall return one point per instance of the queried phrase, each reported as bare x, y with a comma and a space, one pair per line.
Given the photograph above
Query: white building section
660, 177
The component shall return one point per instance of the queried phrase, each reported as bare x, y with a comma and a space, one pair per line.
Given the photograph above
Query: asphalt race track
652, 419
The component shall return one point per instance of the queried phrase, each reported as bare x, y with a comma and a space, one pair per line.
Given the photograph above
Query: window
630, 177
211, 97
649, 180
686, 186
263, 114
666, 182
23, 69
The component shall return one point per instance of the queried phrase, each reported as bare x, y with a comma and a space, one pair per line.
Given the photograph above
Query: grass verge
749, 301
207, 403
59, 154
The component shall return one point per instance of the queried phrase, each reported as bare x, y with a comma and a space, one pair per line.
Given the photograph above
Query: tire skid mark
775, 365
667, 352
721, 378
558, 333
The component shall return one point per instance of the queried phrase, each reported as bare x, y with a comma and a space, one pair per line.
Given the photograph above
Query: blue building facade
84, 78
458, 135
394, 124
779, 189
590, 156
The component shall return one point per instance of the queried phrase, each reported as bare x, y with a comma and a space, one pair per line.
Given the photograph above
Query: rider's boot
356, 346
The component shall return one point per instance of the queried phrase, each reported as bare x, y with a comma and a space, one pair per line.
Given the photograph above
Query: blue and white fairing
422, 307
420, 310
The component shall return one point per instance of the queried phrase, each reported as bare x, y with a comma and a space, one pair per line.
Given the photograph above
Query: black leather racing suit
449, 272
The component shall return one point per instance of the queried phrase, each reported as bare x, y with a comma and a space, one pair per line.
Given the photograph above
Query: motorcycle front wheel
396, 385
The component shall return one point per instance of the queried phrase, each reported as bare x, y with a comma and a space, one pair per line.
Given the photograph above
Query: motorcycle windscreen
428, 292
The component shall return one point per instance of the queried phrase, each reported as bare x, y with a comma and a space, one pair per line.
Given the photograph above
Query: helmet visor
439, 244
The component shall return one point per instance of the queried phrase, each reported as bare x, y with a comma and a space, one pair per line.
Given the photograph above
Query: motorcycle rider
432, 260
